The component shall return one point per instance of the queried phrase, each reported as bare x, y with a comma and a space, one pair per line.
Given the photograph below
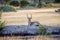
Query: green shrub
33, 5
44, 30
39, 5
23, 3
47, 4
44, 4
7, 8
2, 24
14, 3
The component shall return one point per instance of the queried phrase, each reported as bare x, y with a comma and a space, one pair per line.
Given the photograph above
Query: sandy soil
44, 16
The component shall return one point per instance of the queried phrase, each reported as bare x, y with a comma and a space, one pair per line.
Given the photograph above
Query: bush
44, 4
7, 8
33, 5
14, 3
2, 24
39, 5
23, 3
44, 30
47, 4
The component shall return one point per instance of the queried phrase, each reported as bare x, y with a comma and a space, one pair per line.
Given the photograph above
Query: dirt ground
44, 16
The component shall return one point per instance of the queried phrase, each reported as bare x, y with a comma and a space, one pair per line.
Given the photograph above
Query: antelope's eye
37, 25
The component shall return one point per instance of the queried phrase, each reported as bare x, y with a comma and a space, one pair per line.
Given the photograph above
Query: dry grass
44, 16
33, 38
